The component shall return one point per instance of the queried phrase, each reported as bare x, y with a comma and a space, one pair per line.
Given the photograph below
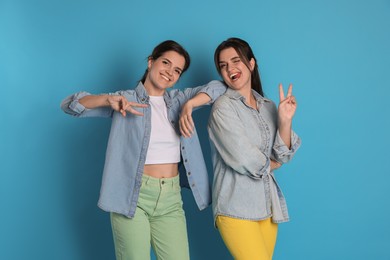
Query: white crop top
164, 144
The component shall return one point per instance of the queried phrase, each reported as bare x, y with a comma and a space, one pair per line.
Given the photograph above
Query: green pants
159, 221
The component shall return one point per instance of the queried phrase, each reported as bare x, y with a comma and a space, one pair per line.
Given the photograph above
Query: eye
165, 62
178, 72
222, 65
236, 61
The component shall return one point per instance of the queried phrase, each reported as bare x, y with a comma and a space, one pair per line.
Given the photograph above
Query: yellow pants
246, 239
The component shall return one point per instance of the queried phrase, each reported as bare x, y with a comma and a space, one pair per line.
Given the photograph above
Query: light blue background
335, 52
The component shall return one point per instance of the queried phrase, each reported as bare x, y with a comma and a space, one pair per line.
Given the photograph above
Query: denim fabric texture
243, 140
128, 142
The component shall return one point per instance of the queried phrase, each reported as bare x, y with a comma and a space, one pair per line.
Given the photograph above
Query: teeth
233, 76
166, 78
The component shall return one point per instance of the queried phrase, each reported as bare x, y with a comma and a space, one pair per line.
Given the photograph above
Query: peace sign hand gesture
121, 105
287, 105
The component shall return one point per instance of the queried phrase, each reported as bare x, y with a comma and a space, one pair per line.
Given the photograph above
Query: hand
274, 165
287, 105
186, 123
121, 105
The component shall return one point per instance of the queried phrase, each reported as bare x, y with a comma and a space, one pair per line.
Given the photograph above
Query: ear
150, 62
252, 64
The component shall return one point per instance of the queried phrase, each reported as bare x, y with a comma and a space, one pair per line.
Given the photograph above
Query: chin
235, 87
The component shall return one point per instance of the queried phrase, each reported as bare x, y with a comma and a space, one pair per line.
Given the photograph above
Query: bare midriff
166, 170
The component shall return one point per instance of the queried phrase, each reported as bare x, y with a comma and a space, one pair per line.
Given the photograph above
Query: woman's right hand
121, 105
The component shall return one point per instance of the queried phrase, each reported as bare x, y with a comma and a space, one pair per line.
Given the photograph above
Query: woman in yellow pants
250, 138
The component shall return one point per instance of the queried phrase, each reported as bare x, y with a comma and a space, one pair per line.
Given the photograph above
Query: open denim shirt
243, 140
128, 143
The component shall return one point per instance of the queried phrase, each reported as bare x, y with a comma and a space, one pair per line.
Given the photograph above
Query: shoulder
269, 104
222, 102
224, 106
172, 93
226, 100
216, 83
129, 94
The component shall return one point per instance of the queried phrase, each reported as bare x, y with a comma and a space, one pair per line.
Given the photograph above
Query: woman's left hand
274, 165
185, 122
287, 105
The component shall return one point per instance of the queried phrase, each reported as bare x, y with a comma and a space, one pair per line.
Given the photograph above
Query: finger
182, 132
293, 100
187, 126
126, 107
183, 128
190, 123
289, 92
133, 111
123, 112
121, 107
134, 104
285, 101
281, 92
121, 104
129, 106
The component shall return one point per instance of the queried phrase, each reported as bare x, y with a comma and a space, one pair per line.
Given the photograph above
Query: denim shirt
128, 143
243, 140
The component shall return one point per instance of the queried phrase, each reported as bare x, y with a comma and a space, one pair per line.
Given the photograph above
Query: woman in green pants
140, 186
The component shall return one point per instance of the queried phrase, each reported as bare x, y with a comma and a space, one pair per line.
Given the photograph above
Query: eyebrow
181, 70
234, 58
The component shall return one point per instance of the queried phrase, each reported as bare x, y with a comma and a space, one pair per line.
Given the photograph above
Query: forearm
285, 132
199, 100
94, 101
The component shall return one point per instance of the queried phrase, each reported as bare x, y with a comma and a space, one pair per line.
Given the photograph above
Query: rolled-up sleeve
235, 149
213, 89
71, 105
281, 152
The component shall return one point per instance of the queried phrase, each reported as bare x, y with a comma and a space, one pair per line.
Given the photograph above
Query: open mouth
235, 76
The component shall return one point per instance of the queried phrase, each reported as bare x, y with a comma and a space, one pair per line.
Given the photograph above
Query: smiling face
163, 72
234, 71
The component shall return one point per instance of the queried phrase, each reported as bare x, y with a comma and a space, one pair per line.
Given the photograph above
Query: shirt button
143, 100
189, 173
182, 148
162, 182
172, 122
185, 160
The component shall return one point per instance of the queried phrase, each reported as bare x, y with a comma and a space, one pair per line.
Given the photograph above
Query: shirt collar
141, 93
231, 93
144, 97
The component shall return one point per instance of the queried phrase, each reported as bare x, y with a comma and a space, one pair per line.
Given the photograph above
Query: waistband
160, 181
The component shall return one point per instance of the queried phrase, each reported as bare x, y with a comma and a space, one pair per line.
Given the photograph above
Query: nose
169, 71
228, 67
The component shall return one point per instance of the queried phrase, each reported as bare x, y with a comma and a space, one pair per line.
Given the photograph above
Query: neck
246, 92
249, 97
152, 90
